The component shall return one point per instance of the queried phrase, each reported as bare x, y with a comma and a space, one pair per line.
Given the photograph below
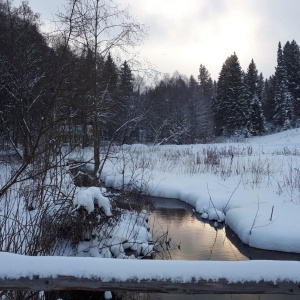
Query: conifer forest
69, 87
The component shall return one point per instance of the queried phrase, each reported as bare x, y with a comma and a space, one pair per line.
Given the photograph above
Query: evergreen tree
205, 82
291, 55
193, 110
126, 116
230, 109
205, 117
173, 116
255, 113
283, 99
269, 100
178, 109
109, 76
252, 78
260, 88
158, 117
125, 81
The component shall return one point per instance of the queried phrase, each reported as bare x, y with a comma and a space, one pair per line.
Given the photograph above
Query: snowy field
254, 185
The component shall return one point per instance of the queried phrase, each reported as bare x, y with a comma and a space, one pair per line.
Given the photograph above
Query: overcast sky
186, 33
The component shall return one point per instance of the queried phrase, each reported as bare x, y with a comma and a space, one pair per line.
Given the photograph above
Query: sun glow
184, 35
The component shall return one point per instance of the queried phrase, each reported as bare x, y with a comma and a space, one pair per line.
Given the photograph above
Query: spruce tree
269, 101
125, 81
260, 88
283, 117
109, 77
230, 107
205, 82
291, 55
220, 101
178, 110
205, 115
193, 110
126, 114
255, 113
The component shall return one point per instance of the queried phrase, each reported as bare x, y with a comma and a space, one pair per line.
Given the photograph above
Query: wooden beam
222, 286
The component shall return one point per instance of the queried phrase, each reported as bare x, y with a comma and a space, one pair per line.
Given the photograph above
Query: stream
191, 238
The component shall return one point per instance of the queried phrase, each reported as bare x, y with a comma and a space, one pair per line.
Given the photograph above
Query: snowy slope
256, 184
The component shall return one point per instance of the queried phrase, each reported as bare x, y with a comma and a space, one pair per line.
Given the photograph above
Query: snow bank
239, 183
130, 232
85, 198
111, 240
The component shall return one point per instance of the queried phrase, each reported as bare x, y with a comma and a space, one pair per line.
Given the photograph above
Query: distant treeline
67, 88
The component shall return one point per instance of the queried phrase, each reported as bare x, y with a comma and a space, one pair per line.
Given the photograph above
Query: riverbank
255, 183
199, 239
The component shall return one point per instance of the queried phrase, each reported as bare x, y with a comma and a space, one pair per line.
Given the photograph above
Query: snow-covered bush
86, 198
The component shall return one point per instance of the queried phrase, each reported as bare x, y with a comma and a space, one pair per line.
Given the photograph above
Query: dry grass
256, 166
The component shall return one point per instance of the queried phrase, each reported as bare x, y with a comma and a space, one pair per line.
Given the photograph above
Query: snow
85, 198
253, 186
239, 183
15, 266
130, 232
107, 295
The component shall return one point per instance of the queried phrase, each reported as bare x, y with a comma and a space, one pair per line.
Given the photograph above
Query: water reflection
198, 240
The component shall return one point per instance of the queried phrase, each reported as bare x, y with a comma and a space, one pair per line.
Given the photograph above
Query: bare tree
35, 94
100, 26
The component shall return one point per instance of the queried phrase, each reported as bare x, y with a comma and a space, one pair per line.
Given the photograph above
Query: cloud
193, 32
211, 9
185, 33
215, 29
278, 21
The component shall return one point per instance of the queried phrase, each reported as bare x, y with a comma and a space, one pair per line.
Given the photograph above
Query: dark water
199, 240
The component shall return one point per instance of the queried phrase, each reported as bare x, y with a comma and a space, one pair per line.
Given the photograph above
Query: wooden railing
198, 277
222, 286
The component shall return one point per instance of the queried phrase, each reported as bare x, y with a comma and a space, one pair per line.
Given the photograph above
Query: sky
186, 33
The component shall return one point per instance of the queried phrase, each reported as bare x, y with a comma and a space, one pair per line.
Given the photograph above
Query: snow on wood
58, 273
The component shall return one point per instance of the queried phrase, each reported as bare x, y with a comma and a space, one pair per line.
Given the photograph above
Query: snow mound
215, 215
86, 198
284, 138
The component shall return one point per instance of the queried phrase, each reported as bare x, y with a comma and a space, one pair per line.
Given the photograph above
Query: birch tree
101, 26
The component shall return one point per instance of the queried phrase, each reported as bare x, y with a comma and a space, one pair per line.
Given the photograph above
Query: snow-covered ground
129, 232
254, 185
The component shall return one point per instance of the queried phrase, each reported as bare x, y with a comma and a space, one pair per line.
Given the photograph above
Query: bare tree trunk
96, 140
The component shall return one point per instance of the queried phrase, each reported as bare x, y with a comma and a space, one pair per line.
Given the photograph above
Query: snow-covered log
202, 277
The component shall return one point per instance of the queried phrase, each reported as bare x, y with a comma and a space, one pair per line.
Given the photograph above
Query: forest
68, 87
